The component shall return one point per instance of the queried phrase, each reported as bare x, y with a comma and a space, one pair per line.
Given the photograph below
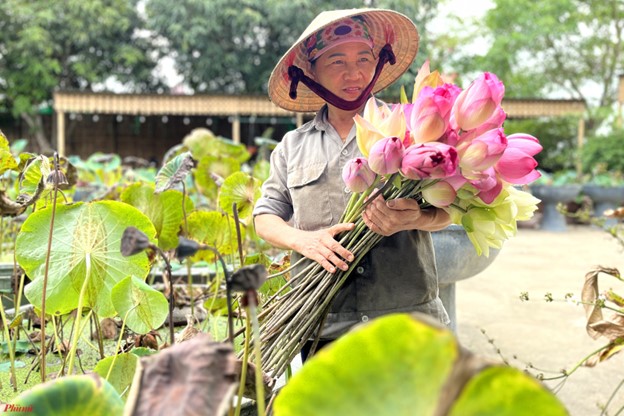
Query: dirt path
550, 335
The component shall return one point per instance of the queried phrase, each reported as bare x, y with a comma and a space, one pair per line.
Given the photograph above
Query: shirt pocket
308, 189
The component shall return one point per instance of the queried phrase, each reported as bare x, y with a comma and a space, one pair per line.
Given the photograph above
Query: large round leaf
70, 396
202, 142
86, 245
242, 189
399, 365
505, 391
211, 167
214, 229
122, 374
163, 209
143, 307
394, 366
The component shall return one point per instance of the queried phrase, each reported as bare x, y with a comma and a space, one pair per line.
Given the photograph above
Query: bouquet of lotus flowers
446, 149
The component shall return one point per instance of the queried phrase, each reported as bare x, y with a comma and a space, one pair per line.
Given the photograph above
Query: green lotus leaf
85, 247
210, 165
35, 171
506, 391
69, 396
174, 172
163, 209
393, 366
122, 374
242, 189
202, 142
7, 160
261, 170
143, 307
402, 365
214, 229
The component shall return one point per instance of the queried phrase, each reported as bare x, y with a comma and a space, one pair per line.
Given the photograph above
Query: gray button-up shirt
306, 188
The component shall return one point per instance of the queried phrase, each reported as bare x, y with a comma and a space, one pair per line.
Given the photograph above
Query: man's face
346, 69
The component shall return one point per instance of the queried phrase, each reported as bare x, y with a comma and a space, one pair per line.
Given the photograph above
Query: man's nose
352, 71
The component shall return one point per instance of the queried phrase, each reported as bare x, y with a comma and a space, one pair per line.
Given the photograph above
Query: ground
549, 335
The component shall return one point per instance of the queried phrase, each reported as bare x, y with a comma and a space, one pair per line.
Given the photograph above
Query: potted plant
552, 190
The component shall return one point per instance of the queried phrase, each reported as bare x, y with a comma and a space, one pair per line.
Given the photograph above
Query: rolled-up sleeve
275, 197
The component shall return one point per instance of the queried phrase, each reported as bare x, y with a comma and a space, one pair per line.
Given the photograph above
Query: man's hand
387, 218
321, 247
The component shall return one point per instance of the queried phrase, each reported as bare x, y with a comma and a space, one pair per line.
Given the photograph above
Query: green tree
68, 44
554, 46
231, 46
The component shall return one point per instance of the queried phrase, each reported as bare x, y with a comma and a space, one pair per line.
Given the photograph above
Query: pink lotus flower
425, 78
489, 185
385, 156
495, 121
429, 160
441, 194
376, 123
428, 117
517, 164
478, 102
357, 175
481, 152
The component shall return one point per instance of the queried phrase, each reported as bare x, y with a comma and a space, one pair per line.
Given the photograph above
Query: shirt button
347, 190
360, 269
364, 318
345, 152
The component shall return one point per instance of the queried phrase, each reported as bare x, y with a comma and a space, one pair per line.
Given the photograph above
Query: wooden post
618, 121
580, 138
236, 129
60, 133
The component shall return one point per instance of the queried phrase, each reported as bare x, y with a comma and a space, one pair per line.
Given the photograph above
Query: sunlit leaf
163, 209
210, 170
7, 160
34, 174
121, 375
506, 391
406, 365
71, 396
242, 189
214, 229
85, 247
174, 172
203, 142
143, 307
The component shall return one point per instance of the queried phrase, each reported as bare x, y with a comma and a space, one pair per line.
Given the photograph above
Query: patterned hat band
351, 29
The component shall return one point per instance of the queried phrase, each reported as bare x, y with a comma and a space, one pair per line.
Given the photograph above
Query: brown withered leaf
610, 350
615, 213
189, 332
197, 377
597, 325
109, 329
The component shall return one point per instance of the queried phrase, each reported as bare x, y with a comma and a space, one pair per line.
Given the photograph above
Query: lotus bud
477, 103
481, 152
429, 160
385, 156
357, 175
440, 194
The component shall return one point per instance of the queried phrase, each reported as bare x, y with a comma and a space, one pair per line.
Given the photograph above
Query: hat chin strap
296, 74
